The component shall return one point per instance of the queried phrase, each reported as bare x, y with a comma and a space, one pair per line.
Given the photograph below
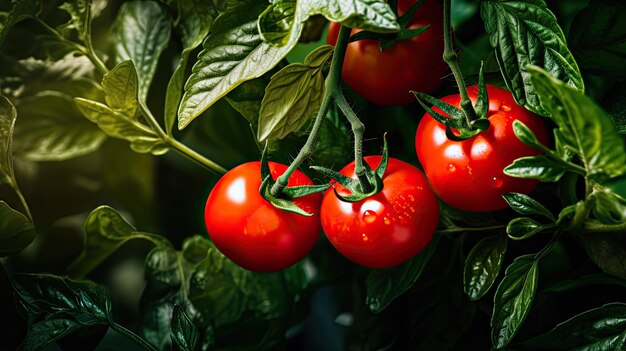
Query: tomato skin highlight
251, 231
467, 174
385, 78
385, 229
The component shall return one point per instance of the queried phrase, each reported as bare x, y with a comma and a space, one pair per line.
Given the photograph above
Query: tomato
385, 229
468, 174
385, 78
252, 232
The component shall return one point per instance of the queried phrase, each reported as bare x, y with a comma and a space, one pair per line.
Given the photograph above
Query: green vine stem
599, 228
469, 229
132, 336
452, 59
332, 94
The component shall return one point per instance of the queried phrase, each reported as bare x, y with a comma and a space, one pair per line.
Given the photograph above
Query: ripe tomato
385, 78
385, 229
252, 232
468, 174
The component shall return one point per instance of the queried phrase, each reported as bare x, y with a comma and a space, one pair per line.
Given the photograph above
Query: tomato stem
332, 94
452, 59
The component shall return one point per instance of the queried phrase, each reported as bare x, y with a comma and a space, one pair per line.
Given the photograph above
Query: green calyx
387, 40
283, 200
466, 124
368, 183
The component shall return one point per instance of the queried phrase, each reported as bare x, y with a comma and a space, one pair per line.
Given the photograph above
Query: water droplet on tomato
497, 182
369, 216
505, 108
412, 209
365, 238
411, 198
451, 167
387, 221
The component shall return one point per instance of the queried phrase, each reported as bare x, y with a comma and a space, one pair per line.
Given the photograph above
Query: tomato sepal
280, 203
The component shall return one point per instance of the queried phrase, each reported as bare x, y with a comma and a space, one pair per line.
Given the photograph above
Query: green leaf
233, 53
482, 266
513, 299
536, 167
584, 281
194, 21
246, 99
607, 251
602, 328
608, 207
277, 21
167, 277
20, 10
51, 128
292, 96
80, 13
525, 32
584, 127
59, 306
385, 285
7, 124
523, 228
374, 15
598, 38
105, 232
526, 205
121, 88
16, 231
615, 105
184, 334
142, 139
526, 135
141, 33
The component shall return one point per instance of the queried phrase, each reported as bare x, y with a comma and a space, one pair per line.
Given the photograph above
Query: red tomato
385, 229
252, 232
385, 78
468, 174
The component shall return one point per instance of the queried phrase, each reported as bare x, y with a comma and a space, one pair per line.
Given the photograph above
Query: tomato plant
468, 174
166, 171
252, 232
388, 228
386, 76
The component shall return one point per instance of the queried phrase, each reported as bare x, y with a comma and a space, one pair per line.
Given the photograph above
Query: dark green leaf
142, 139
20, 10
598, 38
105, 232
608, 251
276, 22
233, 53
482, 266
524, 227
246, 99
525, 32
385, 285
51, 128
536, 167
80, 14
602, 328
59, 306
184, 334
615, 105
292, 96
167, 276
195, 18
141, 33
16, 231
584, 127
121, 87
513, 299
526, 205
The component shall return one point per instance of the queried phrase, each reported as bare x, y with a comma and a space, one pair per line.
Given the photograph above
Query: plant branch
12, 182
597, 227
132, 336
331, 93
469, 229
452, 59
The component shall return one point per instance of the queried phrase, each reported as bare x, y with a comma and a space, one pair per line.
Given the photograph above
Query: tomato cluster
396, 223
